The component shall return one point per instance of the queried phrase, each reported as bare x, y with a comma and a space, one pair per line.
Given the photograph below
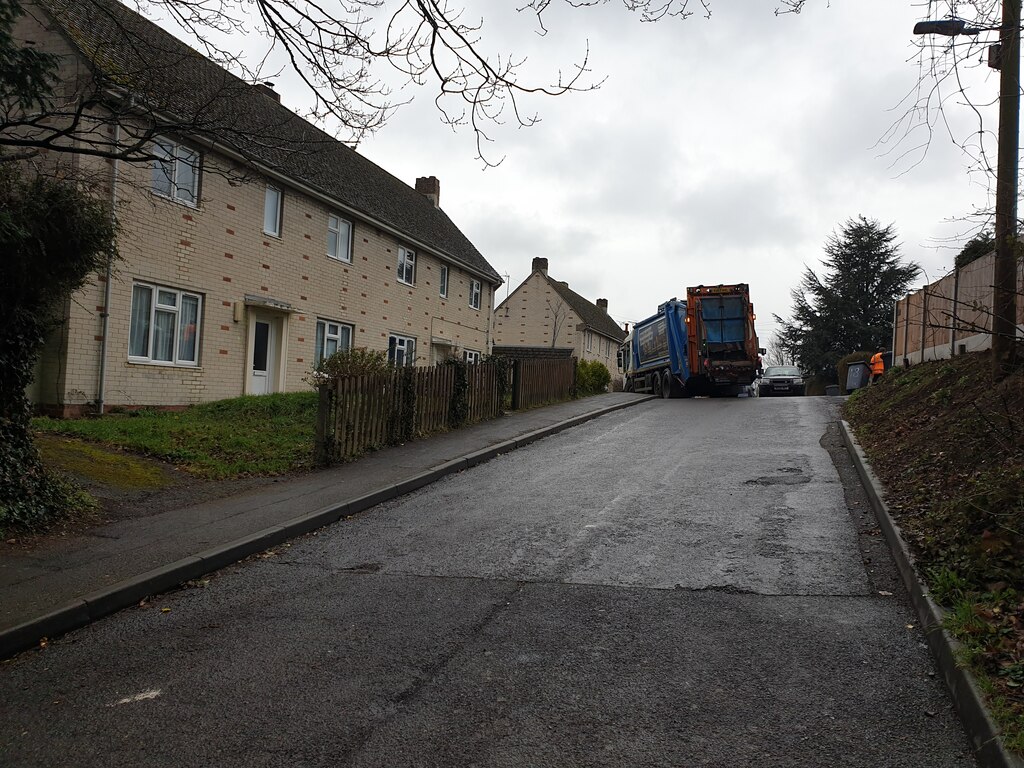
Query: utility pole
1006, 58
1004, 283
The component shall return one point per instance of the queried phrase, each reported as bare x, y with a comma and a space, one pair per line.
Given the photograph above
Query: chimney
268, 88
603, 305
430, 188
540, 265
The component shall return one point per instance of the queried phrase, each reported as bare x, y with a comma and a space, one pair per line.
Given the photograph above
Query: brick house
544, 313
252, 244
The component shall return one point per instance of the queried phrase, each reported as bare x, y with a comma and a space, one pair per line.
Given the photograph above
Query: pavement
76, 580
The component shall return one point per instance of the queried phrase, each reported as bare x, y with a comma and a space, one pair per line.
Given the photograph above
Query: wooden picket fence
361, 413
540, 381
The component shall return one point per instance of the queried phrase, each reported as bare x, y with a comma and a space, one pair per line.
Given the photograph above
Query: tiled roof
592, 315
133, 53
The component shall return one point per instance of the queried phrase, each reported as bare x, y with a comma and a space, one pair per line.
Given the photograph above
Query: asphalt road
683, 583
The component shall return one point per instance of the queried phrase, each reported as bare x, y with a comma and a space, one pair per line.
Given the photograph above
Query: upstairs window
272, 212
471, 356
331, 337
164, 325
406, 266
339, 238
474, 294
175, 172
444, 282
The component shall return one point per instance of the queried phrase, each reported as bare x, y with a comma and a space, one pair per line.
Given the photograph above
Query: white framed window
590, 341
331, 337
443, 290
164, 325
175, 172
339, 238
272, 211
406, 266
401, 350
471, 356
474, 294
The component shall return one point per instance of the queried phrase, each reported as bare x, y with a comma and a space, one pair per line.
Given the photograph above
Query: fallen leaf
165, 610
884, 593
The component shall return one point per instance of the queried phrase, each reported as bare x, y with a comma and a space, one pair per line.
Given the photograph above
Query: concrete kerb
131, 591
967, 698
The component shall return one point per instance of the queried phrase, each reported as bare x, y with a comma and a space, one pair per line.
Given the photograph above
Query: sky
717, 150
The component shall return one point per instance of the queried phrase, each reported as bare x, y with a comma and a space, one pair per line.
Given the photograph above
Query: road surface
682, 583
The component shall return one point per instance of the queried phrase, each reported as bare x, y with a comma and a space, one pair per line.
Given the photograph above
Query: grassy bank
948, 443
266, 435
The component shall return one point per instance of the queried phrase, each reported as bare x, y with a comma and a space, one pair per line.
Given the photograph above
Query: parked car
781, 380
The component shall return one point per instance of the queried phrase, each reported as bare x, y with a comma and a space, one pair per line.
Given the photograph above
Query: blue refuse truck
705, 345
653, 357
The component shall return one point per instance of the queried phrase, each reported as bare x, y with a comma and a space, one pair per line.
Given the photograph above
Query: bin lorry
705, 345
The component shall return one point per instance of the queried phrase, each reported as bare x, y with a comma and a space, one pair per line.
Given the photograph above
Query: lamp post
1004, 281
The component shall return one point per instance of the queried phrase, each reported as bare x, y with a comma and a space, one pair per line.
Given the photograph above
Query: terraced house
545, 314
252, 244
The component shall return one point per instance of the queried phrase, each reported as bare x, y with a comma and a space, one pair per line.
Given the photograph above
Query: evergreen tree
53, 238
849, 307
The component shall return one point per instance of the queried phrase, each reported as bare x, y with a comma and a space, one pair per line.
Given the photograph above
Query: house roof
592, 316
202, 99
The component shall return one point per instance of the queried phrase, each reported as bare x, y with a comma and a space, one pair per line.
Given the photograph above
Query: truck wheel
656, 384
666, 384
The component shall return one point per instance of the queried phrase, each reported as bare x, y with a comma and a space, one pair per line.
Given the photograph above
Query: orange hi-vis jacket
877, 365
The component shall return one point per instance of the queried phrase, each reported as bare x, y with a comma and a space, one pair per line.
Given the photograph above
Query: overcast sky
722, 149
719, 150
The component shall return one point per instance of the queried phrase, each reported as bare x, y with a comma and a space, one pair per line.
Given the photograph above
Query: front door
260, 382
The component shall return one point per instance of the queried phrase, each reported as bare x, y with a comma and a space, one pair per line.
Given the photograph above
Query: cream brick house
543, 312
250, 247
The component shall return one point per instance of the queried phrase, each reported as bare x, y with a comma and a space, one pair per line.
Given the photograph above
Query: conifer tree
849, 307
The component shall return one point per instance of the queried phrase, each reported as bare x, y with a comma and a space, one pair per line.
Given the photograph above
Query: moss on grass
92, 464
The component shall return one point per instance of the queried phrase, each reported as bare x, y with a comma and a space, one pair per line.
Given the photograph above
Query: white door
262, 352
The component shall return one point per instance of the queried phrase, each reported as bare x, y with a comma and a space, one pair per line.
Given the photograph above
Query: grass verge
240, 437
948, 444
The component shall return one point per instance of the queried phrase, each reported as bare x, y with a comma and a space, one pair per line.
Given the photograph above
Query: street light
946, 27
1004, 288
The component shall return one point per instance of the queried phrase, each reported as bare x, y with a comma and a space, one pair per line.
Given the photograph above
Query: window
590, 341
339, 238
164, 325
471, 356
175, 172
406, 266
444, 281
474, 294
401, 350
331, 337
272, 212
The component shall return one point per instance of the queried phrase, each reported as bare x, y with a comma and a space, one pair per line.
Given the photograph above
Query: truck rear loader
705, 345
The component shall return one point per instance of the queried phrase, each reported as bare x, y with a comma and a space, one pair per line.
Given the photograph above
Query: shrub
358, 361
458, 409
592, 377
